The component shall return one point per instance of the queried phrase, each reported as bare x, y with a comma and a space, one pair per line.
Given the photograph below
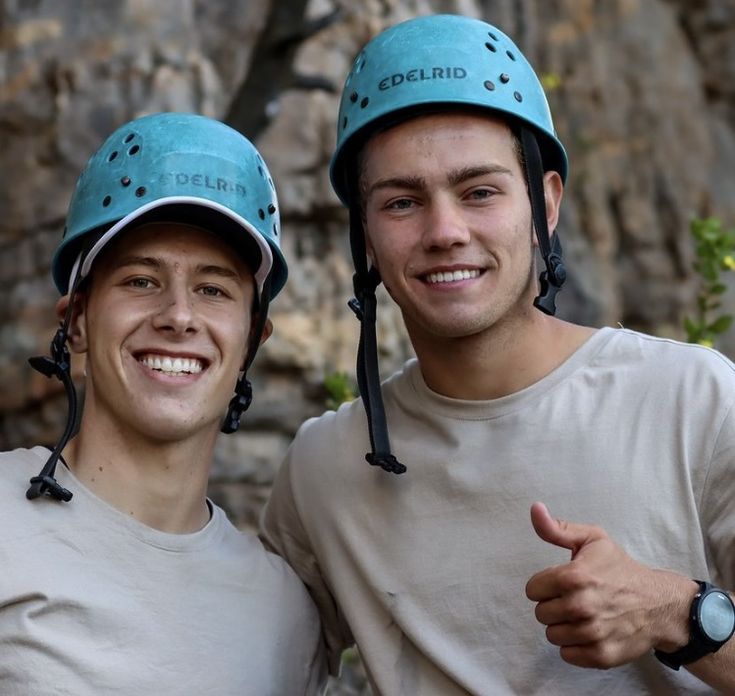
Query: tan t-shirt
94, 603
428, 570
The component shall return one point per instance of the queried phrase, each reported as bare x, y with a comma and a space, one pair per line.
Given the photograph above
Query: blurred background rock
643, 96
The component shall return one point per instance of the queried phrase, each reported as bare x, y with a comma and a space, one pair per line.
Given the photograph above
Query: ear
77, 331
369, 250
264, 336
267, 331
553, 192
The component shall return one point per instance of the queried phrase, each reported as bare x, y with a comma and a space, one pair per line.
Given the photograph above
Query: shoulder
246, 553
19, 465
637, 347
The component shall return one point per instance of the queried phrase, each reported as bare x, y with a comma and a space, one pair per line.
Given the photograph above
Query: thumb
567, 535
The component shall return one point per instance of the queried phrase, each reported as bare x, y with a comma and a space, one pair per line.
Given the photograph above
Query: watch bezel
710, 591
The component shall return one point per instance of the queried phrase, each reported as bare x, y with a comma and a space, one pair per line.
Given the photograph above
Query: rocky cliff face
643, 93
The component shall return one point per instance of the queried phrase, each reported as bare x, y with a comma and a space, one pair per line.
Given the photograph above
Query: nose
177, 313
446, 226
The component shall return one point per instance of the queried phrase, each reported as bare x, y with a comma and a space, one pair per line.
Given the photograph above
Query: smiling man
453, 174
119, 576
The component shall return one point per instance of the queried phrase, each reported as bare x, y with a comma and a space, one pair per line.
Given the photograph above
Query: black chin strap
555, 274
364, 305
59, 366
243, 389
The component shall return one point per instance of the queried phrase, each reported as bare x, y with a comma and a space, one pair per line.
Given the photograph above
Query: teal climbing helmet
174, 167
430, 63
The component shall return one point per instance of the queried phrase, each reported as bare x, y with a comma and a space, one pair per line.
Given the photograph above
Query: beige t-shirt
428, 569
94, 603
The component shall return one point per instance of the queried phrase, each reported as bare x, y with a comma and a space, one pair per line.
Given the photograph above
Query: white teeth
449, 276
172, 366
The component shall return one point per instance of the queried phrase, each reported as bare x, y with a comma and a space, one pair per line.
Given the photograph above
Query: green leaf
721, 324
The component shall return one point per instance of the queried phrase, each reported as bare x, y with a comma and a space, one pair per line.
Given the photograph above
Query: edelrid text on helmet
194, 167
436, 61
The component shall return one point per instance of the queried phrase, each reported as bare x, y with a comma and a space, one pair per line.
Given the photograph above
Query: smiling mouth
451, 276
172, 366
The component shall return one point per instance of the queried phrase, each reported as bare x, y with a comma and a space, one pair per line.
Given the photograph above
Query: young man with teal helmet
119, 575
453, 174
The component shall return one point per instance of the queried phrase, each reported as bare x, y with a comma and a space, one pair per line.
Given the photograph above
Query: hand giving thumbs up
603, 608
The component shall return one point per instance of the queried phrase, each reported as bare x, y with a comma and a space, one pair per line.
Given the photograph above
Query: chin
174, 429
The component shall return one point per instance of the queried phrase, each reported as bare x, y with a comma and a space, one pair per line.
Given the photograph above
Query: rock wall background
643, 93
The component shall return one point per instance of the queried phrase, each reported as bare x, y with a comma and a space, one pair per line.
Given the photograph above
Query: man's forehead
155, 243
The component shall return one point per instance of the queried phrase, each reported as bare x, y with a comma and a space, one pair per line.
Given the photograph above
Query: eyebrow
454, 177
157, 263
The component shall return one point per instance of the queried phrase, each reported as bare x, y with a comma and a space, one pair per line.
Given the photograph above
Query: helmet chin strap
243, 389
555, 274
364, 305
59, 366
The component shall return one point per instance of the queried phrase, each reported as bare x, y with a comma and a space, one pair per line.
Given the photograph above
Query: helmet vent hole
129, 137
490, 47
106, 201
125, 181
505, 78
271, 208
365, 101
492, 36
353, 97
270, 181
140, 191
518, 96
510, 55
261, 214
112, 156
275, 230
489, 86
260, 171
134, 150
344, 123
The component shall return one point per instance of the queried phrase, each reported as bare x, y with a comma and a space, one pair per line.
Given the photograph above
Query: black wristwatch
711, 625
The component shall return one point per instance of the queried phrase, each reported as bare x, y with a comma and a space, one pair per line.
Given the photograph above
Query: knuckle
580, 608
573, 578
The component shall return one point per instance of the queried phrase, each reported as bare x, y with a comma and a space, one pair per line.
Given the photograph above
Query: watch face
716, 616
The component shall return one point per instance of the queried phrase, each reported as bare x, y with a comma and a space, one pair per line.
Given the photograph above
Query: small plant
550, 81
340, 389
715, 255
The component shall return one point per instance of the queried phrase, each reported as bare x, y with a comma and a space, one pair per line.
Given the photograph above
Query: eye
400, 204
141, 283
212, 291
481, 194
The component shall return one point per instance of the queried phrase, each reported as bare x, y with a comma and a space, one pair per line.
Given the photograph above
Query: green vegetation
715, 255
340, 388
550, 81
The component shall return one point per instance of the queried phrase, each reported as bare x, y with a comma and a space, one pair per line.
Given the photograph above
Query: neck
501, 360
161, 484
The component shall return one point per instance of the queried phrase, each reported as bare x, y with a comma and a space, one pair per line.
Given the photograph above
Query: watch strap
699, 644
